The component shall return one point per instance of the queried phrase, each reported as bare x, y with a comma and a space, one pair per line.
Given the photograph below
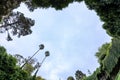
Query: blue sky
72, 36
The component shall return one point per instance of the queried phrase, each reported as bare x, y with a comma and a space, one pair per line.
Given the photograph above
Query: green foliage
8, 68
94, 75
106, 71
57, 4
70, 78
109, 13
107, 10
112, 58
17, 23
30, 65
102, 52
79, 75
118, 76
6, 6
7, 61
29, 68
10, 71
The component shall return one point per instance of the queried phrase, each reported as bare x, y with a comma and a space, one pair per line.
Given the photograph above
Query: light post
41, 47
46, 55
40, 64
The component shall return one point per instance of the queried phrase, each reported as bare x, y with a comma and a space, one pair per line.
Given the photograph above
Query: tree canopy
108, 11
17, 23
10, 70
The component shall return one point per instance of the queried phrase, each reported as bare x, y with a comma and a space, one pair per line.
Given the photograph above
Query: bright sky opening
72, 35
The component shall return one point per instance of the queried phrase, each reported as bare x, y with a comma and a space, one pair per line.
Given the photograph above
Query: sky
72, 36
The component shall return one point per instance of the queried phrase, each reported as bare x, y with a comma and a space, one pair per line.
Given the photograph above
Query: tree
6, 6
108, 11
110, 64
17, 23
102, 52
20, 59
70, 78
57, 4
79, 75
8, 68
32, 66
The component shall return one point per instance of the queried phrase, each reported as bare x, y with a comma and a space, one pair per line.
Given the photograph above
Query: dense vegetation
10, 68
108, 55
109, 62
